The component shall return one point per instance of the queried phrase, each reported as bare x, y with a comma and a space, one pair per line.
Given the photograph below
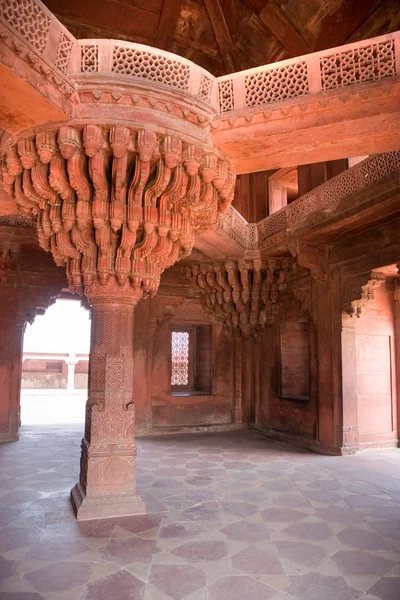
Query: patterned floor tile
232, 515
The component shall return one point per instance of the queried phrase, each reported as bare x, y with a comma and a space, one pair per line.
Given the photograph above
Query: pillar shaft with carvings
107, 485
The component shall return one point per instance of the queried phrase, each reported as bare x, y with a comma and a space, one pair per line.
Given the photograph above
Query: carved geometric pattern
26, 17
338, 188
358, 65
272, 224
180, 358
89, 58
297, 212
205, 88
64, 53
17, 221
379, 167
149, 65
235, 226
225, 92
252, 240
272, 85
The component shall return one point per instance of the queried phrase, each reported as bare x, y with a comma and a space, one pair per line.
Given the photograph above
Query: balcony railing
336, 68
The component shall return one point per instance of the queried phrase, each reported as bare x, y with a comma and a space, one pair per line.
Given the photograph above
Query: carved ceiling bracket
314, 258
117, 205
244, 294
360, 289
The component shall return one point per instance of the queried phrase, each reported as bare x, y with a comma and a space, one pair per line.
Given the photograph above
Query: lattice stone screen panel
180, 358
379, 167
236, 226
64, 51
225, 93
272, 224
332, 192
149, 65
205, 88
300, 209
89, 58
358, 65
273, 85
26, 17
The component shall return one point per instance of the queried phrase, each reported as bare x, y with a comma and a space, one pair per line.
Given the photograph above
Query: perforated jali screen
180, 358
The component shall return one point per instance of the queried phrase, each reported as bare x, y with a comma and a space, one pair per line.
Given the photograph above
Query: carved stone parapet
360, 289
112, 202
244, 294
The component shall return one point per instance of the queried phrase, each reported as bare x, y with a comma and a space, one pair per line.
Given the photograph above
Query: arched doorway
55, 366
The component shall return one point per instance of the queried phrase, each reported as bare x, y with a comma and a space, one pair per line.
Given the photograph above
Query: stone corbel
8, 264
314, 258
302, 291
243, 294
359, 290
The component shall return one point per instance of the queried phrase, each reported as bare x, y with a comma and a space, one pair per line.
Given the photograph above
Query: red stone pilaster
328, 311
350, 429
107, 485
12, 326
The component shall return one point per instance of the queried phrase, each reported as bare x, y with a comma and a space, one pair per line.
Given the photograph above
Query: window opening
180, 358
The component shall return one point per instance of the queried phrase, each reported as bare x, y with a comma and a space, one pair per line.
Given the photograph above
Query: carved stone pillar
119, 194
107, 485
328, 320
12, 334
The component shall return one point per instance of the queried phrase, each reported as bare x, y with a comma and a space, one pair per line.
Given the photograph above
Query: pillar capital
117, 204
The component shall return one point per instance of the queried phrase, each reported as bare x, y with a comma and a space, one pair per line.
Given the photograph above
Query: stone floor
231, 517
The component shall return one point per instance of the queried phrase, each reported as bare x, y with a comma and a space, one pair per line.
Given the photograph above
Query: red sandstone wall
292, 416
156, 406
376, 369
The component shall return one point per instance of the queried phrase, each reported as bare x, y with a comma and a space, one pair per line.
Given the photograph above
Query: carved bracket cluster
359, 290
244, 293
117, 206
314, 258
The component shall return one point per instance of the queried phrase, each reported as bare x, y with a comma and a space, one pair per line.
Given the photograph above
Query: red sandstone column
12, 328
328, 307
107, 485
350, 430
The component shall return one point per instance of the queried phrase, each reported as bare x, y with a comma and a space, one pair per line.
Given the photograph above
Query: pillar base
105, 507
8, 436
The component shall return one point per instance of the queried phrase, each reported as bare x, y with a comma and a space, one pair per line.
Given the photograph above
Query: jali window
180, 358
191, 353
